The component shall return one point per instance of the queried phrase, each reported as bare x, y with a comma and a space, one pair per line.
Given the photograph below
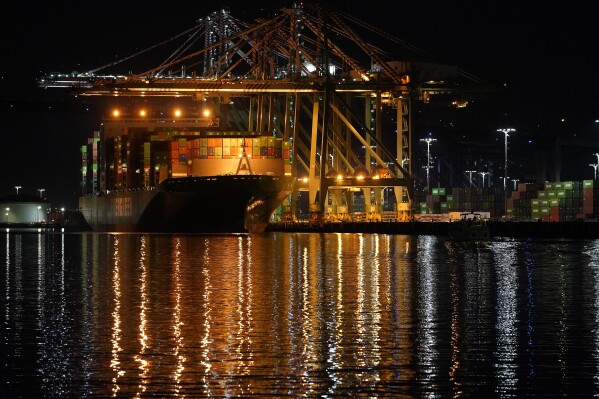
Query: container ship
181, 175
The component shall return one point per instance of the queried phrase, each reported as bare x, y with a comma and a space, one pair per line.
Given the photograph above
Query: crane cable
90, 72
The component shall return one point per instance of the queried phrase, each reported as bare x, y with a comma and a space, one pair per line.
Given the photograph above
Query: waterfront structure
327, 95
23, 209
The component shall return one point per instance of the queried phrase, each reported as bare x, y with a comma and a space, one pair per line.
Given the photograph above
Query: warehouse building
24, 209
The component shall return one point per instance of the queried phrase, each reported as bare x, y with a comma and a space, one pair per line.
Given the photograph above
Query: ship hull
207, 204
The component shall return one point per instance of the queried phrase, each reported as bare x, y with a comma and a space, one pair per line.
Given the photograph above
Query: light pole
428, 162
403, 161
597, 155
594, 165
504, 180
470, 172
506, 132
41, 190
17, 187
483, 175
515, 181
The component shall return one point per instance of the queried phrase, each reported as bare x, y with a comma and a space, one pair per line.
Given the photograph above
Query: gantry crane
318, 77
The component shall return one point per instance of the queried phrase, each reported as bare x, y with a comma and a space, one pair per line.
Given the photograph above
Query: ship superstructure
175, 170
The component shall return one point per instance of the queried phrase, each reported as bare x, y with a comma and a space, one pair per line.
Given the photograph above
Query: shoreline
533, 229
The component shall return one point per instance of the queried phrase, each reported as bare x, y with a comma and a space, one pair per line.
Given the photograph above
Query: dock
515, 229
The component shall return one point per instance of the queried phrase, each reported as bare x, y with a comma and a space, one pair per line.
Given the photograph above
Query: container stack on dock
558, 202
550, 201
590, 200
459, 199
520, 202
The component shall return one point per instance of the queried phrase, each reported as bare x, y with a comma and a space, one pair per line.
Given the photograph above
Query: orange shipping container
234, 149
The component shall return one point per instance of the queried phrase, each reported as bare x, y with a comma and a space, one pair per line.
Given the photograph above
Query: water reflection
115, 362
505, 254
141, 357
326, 315
427, 351
591, 251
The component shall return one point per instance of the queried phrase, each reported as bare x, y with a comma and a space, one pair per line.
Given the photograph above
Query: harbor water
279, 314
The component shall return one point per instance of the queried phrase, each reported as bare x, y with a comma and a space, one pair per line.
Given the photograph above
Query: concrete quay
520, 229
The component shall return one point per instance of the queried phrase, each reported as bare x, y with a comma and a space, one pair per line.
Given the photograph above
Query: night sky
545, 56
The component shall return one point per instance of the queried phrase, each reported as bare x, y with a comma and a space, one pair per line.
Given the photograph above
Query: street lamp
515, 181
504, 180
506, 132
470, 175
428, 161
17, 187
41, 190
403, 161
484, 174
594, 165
597, 155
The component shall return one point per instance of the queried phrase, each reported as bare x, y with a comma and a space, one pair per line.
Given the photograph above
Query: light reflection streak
307, 326
14, 313
455, 334
7, 281
62, 288
563, 301
115, 363
529, 262
376, 310
360, 327
87, 309
141, 357
41, 306
592, 252
427, 304
244, 306
177, 323
206, 310
505, 254
336, 347
403, 293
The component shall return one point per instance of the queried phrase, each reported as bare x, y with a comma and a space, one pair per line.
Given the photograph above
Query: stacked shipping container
166, 154
458, 199
518, 206
555, 202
